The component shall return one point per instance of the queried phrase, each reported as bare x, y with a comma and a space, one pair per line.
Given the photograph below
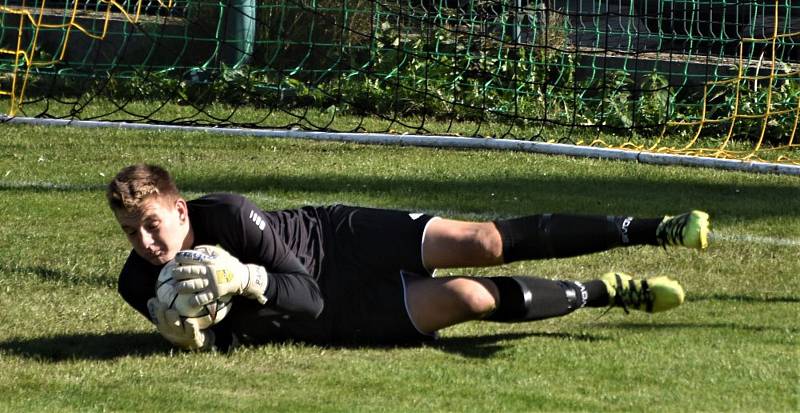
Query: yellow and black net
716, 78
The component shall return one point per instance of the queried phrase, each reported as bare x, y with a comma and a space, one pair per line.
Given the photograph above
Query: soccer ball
206, 315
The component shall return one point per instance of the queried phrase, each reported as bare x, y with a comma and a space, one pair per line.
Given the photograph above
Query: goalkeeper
348, 275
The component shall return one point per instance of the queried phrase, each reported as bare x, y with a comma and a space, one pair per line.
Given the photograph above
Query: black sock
560, 235
642, 231
596, 293
531, 298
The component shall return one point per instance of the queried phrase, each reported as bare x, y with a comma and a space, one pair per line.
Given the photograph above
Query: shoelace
632, 296
672, 233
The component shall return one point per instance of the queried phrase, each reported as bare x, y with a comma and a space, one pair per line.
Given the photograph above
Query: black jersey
327, 266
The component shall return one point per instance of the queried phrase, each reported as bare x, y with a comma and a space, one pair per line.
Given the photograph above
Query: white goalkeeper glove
185, 334
209, 273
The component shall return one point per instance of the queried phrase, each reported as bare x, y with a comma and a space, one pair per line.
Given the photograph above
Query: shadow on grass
485, 346
115, 345
86, 346
515, 193
519, 193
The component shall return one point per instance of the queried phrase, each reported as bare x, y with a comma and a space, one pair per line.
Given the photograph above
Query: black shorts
370, 254
375, 252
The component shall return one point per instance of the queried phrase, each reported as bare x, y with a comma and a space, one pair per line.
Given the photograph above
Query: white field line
49, 186
754, 239
441, 142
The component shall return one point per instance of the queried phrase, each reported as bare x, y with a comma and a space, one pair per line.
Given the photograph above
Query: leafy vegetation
424, 72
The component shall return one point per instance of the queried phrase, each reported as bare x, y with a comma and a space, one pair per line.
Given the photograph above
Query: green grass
69, 343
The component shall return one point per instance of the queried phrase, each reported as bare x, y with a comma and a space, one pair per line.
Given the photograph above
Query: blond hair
136, 183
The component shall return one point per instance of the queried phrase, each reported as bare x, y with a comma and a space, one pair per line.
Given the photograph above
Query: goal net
701, 77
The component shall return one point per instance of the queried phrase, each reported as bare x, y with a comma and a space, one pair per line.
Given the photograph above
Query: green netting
712, 77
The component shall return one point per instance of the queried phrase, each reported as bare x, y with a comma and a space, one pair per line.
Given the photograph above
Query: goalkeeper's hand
210, 272
185, 334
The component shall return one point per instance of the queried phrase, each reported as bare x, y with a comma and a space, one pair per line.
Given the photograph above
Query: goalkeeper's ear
183, 209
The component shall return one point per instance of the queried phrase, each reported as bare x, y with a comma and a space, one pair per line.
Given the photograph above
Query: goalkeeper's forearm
296, 294
210, 272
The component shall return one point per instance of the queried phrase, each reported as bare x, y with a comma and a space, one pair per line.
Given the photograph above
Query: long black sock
596, 294
561, 235
531, 298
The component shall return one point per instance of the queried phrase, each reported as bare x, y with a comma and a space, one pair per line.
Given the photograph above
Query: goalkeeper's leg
450, 243
436, 303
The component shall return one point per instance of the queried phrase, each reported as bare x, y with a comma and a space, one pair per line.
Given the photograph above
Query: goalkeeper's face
158, 229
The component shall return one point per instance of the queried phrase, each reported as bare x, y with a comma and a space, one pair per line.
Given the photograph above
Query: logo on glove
195, 255
223, 275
